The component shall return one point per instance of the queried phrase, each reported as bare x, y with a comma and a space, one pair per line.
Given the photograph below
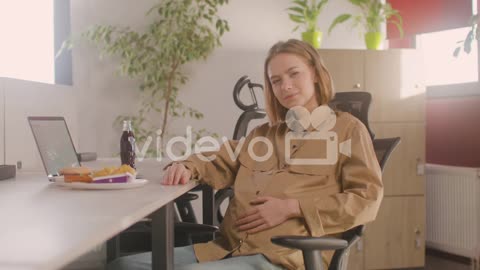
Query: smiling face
293, 81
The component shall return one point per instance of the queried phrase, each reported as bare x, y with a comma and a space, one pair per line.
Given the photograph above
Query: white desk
45, 227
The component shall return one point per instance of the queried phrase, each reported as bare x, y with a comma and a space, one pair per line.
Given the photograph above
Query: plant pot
314, 38
373, 40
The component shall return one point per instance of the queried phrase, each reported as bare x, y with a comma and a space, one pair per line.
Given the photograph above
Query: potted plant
373, 14
180, 32
304, 12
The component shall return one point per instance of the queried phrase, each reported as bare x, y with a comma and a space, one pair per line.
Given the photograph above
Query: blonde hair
323, 87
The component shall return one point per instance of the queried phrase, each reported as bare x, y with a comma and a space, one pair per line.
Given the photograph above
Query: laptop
54, 144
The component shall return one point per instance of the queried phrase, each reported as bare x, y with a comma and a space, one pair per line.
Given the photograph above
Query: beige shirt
333, 197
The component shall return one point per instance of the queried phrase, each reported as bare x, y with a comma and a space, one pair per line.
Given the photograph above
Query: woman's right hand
176, 174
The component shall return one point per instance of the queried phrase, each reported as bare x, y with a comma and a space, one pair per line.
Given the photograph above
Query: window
441, 67
31, 30
435, 27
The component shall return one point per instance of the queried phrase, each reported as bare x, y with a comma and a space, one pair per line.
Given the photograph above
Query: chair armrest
223, 194
220, 196
309, 243
194, 228
190, 233
187, 197
200, 187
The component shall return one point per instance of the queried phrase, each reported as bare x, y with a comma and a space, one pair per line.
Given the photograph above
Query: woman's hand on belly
267, 212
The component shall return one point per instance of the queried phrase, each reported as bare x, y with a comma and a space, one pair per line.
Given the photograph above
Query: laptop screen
54, 143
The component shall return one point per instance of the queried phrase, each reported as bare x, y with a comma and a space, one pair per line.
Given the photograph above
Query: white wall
21, 99
2, 121
255, 26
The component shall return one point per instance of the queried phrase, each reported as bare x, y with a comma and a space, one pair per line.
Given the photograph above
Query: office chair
138, 237
250, 112
312, 247
184, 206
356, 103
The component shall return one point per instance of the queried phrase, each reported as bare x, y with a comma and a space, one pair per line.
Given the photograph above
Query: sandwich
77, 174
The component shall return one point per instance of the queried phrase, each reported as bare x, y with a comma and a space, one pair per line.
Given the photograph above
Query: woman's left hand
266, 213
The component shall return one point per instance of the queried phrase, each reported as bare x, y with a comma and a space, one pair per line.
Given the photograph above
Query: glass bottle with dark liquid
127, 145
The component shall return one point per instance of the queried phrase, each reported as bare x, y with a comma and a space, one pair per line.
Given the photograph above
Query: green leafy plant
373, 14
306, 13
473, 34
181, 31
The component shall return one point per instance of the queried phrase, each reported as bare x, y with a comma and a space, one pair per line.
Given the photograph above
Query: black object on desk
7, 172
87, 156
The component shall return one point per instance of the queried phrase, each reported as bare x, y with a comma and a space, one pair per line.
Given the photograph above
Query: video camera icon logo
322, 119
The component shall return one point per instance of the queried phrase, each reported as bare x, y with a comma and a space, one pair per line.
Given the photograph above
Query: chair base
313, 259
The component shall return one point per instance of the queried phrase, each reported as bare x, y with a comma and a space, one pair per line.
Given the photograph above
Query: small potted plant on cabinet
373, 14
305, 13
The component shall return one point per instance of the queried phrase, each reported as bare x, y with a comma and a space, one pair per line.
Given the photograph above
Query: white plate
78, 185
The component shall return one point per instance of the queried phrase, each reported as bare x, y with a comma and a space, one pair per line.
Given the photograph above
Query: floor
433, 262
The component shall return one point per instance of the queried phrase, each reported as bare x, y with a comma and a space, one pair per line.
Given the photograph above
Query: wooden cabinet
356, 259
346, 67
403, 174
393, 77
396, 81
397, 238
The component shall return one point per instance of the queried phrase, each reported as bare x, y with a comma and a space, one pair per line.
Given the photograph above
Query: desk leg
208, 200
163, 238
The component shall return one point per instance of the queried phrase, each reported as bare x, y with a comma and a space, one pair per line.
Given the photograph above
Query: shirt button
258, 192
294, 146
241, 242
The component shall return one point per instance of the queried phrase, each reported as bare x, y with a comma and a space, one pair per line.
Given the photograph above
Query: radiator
453, 210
